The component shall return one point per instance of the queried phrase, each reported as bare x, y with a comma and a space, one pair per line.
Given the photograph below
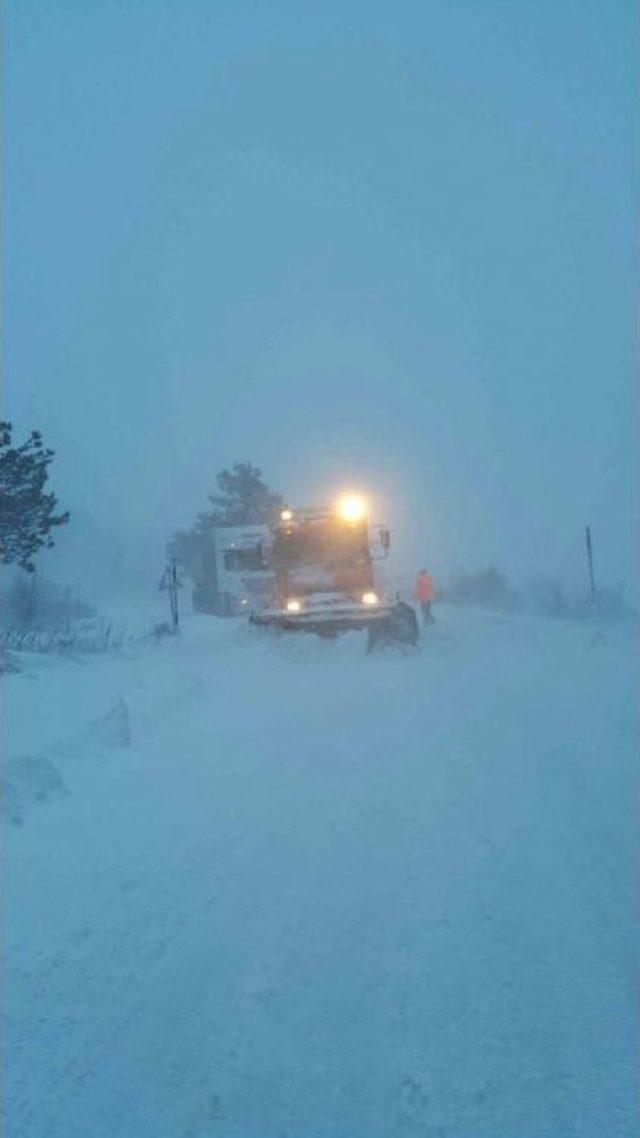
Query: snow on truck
322, 560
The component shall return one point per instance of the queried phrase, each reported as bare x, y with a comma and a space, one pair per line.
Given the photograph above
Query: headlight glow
351, 508
293, 605
370, 598
286, 515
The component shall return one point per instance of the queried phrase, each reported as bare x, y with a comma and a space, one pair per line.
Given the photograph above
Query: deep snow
287, 889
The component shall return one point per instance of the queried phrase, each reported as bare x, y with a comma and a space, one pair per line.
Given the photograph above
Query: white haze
373, 249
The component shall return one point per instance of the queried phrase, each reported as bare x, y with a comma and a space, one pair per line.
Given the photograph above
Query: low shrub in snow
487, 587
96, 635
546, 596
31, 602
40, 616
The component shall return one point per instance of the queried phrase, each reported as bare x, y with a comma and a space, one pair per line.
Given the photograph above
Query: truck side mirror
385, 540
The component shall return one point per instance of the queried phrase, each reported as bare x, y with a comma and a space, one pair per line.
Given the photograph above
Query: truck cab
237, 576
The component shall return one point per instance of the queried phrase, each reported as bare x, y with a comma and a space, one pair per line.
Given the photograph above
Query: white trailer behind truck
236, 574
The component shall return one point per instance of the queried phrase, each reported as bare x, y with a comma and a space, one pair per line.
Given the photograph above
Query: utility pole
587, 530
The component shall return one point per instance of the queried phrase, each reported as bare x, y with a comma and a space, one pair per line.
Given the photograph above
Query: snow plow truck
324, 581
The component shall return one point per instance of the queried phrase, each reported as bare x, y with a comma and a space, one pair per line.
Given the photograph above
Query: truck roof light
352, 508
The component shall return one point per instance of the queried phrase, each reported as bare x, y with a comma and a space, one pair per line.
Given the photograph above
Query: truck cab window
248, 560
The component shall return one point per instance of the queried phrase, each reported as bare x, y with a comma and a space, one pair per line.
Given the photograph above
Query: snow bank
25, 780
37, 778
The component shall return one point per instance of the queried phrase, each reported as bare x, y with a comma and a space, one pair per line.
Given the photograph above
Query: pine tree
26, 511
244, 499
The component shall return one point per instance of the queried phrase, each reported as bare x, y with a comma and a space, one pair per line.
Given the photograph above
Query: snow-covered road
323, 895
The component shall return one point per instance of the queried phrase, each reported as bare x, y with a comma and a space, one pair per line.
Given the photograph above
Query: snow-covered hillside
279, 888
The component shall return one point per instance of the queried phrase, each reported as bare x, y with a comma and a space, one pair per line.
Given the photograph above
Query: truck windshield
328, 543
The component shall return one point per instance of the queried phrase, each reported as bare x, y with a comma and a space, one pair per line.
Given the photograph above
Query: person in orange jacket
424, 592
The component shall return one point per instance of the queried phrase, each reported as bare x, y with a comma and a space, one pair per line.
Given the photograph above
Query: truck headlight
370, 598
352, 508
293, 605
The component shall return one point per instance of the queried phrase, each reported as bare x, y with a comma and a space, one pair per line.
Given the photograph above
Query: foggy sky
382, 246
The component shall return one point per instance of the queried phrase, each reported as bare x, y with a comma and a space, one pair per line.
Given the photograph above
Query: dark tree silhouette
244, 499
26, 511
187, 547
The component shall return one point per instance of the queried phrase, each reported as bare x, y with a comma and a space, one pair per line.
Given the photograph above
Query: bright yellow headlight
293, 605
351, 508
286, 515
370, 598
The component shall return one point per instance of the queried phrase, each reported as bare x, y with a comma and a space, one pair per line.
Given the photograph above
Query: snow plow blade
399, 628
396, 624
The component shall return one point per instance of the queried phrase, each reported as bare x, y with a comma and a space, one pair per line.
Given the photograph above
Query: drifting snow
294, 890
36, 777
